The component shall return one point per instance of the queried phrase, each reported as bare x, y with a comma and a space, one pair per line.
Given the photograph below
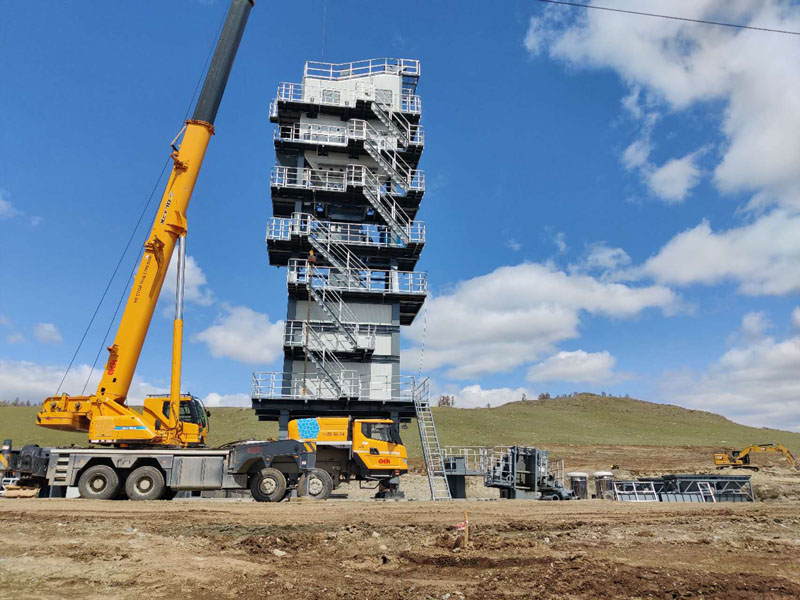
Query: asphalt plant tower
346, 190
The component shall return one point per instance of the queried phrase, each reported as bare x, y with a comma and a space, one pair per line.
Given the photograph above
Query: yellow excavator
740, 459
175, 420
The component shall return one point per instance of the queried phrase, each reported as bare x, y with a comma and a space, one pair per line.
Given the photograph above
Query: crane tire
316, 484
145, 483
268, 485
98, 482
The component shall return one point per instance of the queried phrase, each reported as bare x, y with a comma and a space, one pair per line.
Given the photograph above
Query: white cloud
474, 396
576, 367
560, 240
637, 154
754, 383
7, 210
33, 382
513, 245
194, 285
215, 399
35, 221
762, 256
754, 325
672, 181
244, 335
796, 317
517, 314
679, 65
603, 259
47, 333
5, 321
15, 338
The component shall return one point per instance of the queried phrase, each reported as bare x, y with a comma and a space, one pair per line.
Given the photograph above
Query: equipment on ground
355, 449
176, 419
523, 472
740, 459
270, 470
161, 450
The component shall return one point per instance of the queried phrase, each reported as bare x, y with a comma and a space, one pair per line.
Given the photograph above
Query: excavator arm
105, 414
741, 458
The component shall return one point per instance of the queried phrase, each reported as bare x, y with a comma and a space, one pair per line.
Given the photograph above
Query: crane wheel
99, 482
268, 485
145, 483
316, 484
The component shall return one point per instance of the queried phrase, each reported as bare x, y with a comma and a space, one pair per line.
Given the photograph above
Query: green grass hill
584, 419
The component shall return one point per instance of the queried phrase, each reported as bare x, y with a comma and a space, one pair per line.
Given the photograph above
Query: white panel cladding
348, 91
375, 314
383, 344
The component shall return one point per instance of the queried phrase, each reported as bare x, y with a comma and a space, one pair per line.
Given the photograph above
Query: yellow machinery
740, 459
174, 420
360, 449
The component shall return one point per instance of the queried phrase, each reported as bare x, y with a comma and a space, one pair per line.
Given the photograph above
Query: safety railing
331, 135
351, 234
476, 458
369, 280
407, 134
322, 96
304, 178
336, 181
327, 336
410, 103
280, 385
362, 68
284, 386
389, 210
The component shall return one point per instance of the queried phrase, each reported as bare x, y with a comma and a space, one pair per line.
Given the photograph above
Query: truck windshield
385, 432
193, 412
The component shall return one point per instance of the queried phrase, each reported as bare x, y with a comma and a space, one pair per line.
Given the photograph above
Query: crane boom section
175, 420
169, 224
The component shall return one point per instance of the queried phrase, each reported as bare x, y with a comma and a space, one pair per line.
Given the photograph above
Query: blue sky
612, 200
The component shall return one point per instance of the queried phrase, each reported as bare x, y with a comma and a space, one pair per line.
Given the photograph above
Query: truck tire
145, 483
99, 482
268, 485
316, 484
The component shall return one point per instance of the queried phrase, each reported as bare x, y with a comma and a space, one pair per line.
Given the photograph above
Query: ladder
431, 450
706, 491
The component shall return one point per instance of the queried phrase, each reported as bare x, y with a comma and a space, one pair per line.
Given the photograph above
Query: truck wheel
145, 483
268, 485
99, 482
319, 484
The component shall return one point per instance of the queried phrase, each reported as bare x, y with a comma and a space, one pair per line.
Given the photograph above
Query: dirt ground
367, 549
353, 547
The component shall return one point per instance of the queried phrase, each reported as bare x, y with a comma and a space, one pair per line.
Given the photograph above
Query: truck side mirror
208, 413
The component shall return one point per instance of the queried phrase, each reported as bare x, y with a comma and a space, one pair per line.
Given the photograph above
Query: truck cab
360, 449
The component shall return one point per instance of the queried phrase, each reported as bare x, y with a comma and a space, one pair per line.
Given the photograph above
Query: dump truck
347, 449
160, 450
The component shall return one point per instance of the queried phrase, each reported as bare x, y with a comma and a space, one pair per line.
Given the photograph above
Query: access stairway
431, 450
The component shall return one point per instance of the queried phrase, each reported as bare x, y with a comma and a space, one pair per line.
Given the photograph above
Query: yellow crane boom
172, 420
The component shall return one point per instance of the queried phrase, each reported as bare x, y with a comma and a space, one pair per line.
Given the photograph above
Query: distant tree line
16, 402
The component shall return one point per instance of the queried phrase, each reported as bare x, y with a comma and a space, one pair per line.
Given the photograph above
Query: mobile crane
156, 452
740, 459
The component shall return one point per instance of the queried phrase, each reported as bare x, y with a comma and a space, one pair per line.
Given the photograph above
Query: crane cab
193, 417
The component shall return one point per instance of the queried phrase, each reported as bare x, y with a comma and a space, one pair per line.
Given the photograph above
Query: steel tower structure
345, 194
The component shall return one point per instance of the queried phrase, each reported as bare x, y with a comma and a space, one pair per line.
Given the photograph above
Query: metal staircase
401, 128
324, 241
395, 217
333, 305
431, 450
